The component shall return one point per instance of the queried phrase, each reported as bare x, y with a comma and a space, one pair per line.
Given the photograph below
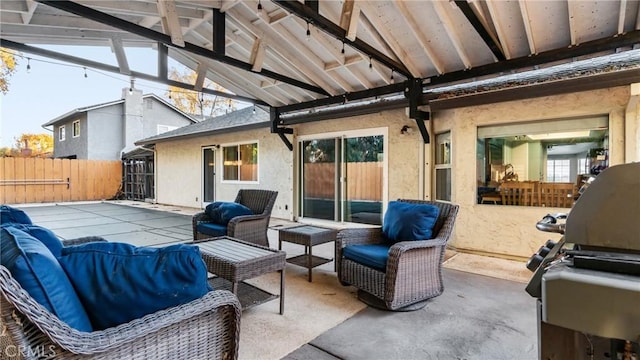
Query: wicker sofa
206, 328
252, 228
413, 269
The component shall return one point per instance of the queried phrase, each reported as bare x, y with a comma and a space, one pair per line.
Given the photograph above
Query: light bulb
28, 65
259, 8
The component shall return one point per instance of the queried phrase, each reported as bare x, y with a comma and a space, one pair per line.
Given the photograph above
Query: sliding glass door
342, 178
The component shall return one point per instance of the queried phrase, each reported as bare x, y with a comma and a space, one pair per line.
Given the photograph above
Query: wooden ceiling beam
621, 16
170, 21
474, 20
450, 28
339, 33
421, 37
107, 19
121, 56
31, 8
573, 27
500, 30
526, 20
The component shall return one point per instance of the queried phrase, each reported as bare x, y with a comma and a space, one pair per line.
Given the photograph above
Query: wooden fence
364, 180
35, 180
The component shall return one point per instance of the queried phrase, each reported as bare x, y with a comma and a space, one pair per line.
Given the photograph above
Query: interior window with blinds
541, 163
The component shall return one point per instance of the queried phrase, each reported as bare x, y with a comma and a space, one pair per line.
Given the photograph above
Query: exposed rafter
107, 19
339, 33
451, 31
114, 69
170, 21
589, 47
466, 9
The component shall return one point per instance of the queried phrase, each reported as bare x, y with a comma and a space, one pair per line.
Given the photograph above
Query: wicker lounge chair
252, 228
413, 270
206, 328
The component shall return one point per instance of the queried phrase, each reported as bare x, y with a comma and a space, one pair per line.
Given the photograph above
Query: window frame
238, 146
73, 128
62, 133
445, 165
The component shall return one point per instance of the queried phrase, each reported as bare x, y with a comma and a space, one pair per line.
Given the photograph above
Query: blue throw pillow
119, 282
405, 221
222, 212
46, 236
39, 273
9, 214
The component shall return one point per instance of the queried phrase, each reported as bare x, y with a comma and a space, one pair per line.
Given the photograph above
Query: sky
52, 88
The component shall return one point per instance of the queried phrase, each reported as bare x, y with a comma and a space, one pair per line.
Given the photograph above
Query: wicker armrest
82, 240
359, 236
124, 335
201, 216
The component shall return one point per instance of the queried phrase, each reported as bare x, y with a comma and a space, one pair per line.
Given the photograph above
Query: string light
342, 48
370, 64
391, 75
86, 71
254, 109
259, 8
28, 65
308, 31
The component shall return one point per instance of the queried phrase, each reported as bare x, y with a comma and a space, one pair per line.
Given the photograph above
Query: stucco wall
511, 230
157, 113
179, 170
105, 133
71, 146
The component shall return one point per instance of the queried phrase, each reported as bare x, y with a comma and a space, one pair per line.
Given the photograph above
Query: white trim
238, 144
62, 133
342, 135
73, 128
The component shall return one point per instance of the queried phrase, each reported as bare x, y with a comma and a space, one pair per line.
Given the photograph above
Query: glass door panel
208, 175
363, 160
319, 179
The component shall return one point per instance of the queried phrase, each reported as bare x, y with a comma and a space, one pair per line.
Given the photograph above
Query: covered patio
478, 316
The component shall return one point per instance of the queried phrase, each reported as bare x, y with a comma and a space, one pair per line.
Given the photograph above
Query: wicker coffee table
308, 236
236, 260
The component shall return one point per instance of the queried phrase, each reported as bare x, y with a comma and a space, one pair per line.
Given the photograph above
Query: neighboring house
107, 131
339, 160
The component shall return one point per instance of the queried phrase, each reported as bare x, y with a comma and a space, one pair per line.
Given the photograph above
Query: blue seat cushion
222, 212
46, 236
36, 269
405, 221
119, 282
373, 256
9, 214
212, 229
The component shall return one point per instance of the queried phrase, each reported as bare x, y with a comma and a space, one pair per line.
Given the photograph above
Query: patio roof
295, 55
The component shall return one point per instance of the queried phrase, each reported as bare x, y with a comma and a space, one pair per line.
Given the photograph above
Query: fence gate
138, 179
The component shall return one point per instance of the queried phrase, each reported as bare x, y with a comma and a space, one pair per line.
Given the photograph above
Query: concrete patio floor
477, 317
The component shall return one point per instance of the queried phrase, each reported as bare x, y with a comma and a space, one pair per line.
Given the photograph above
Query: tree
34, 145
194, 102
7, 68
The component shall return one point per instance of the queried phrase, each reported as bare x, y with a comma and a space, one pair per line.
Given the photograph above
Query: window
443, 166
524, 159
558, 170
240, 162
76, 128
62, 133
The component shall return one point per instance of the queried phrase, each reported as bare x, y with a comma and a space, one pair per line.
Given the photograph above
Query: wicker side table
236, 260
308, 236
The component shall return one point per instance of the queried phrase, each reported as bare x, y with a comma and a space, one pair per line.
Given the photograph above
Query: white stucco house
546, 136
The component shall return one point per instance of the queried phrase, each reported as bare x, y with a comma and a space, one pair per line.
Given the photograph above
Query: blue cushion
40, 274
119, 282
374, 256
221, 212
46, 236
408, 221
9, 214
212, 229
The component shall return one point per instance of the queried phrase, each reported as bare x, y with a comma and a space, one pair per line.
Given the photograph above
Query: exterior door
342, 177
208, 175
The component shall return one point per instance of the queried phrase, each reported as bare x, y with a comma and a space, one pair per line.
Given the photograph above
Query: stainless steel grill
588, 283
